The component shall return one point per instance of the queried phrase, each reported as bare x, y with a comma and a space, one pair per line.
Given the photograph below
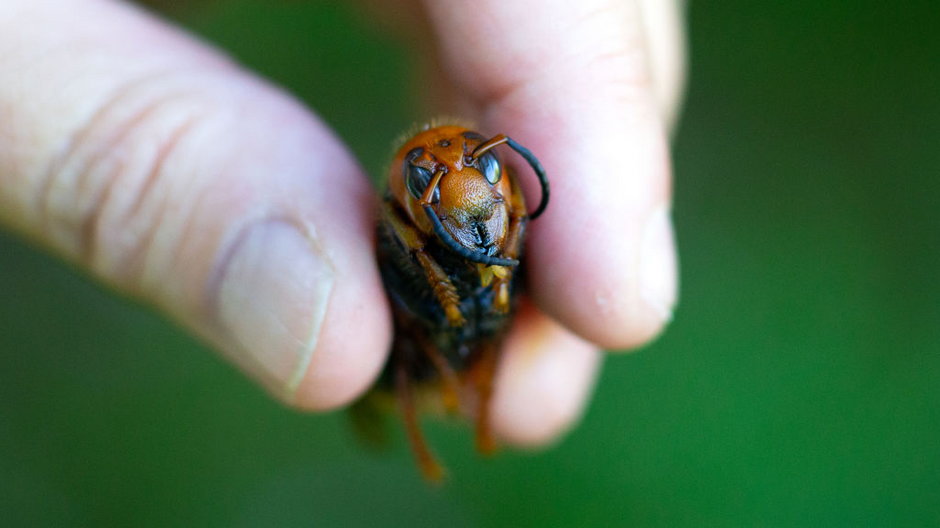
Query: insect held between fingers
450, 241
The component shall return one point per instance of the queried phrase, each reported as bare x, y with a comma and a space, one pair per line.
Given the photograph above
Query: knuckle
108, 195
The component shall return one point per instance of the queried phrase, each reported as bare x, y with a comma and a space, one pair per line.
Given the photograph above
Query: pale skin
166, 172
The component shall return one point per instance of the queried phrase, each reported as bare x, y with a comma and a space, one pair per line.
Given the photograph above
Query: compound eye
417, 180
474, 136
490, 168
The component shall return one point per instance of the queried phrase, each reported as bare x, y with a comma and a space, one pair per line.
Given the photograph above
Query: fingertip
357, 329
544, 380
300, 306
619, 296
349, 357
617, 329
601, 260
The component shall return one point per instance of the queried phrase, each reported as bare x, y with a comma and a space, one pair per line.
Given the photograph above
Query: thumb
167, 173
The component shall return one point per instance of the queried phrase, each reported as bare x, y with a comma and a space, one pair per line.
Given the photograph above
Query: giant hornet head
453, 184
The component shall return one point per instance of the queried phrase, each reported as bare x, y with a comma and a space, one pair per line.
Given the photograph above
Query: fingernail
272, 302
658, 273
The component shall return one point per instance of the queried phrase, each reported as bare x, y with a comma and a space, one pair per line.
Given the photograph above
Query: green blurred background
797, 386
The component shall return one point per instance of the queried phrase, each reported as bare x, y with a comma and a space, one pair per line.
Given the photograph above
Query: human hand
155, 164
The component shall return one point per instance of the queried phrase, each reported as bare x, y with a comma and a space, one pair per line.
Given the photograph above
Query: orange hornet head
452, 183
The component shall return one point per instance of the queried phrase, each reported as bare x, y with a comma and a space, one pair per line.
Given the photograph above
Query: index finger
570, 80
